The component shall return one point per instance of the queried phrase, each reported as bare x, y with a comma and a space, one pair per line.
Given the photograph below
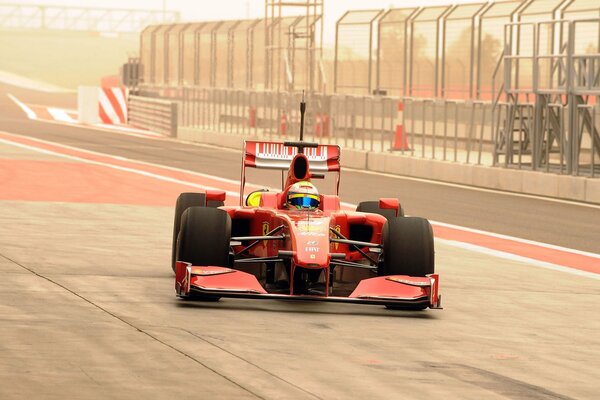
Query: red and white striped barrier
112, 102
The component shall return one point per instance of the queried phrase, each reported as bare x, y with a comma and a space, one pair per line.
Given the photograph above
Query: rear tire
184, 201
373, 208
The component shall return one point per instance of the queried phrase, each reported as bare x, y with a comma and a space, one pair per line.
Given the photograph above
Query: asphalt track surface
87, 305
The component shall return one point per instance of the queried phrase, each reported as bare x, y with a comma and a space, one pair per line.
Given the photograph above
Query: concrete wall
512, 180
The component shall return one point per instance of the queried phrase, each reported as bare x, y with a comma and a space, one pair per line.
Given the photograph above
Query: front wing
395, 290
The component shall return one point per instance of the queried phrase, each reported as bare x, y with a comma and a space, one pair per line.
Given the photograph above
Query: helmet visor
306, 201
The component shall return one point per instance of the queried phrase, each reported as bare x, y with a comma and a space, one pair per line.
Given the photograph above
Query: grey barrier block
571, 187
376, 161
446, 171
592, 190
396, 164
421, 168
485, 177
497, 178
354, 159
540, 183
510, 179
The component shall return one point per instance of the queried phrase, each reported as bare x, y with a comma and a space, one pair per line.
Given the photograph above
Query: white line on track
117, 167
60, 115
519, 240
28, 111
514, 257
128, 129
468, 246
174, 169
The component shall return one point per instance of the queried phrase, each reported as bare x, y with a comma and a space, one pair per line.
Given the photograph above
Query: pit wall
564, 187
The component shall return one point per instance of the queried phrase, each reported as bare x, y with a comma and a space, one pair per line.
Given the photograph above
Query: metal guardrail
461, 131
157, 115
449, 130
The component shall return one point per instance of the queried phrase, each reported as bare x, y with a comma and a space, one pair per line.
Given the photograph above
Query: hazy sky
203, 10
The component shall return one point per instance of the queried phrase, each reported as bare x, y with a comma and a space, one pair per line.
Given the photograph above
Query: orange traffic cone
252, 117
283, 124
400, 140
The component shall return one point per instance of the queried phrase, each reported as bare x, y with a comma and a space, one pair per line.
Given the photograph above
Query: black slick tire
408, 247
204, 239
184, 201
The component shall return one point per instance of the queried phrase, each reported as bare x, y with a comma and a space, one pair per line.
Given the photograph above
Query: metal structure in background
293, 45
354, 52
279, 52
21, 16
549, 109
513, 84
393, 51
131, 74
436, 52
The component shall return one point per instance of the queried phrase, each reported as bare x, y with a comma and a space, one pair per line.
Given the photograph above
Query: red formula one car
299, 244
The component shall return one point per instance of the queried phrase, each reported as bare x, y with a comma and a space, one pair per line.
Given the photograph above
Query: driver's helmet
303, 195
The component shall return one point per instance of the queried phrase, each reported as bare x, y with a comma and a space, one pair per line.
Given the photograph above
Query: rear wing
276, 155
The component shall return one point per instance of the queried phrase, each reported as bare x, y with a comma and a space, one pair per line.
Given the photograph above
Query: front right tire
407, 247
407, 250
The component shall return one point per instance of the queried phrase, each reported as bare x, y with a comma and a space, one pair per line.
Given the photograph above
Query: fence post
174, 119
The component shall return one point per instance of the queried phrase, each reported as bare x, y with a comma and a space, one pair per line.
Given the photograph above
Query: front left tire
204, 237
184, 201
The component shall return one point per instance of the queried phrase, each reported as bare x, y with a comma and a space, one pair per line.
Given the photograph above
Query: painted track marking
59, 116
28, 111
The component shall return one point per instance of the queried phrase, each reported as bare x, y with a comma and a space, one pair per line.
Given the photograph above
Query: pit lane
88, 310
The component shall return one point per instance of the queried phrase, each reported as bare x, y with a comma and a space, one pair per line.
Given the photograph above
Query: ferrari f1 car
298, 244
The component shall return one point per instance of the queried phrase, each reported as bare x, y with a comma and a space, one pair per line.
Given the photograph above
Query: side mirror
389, 204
